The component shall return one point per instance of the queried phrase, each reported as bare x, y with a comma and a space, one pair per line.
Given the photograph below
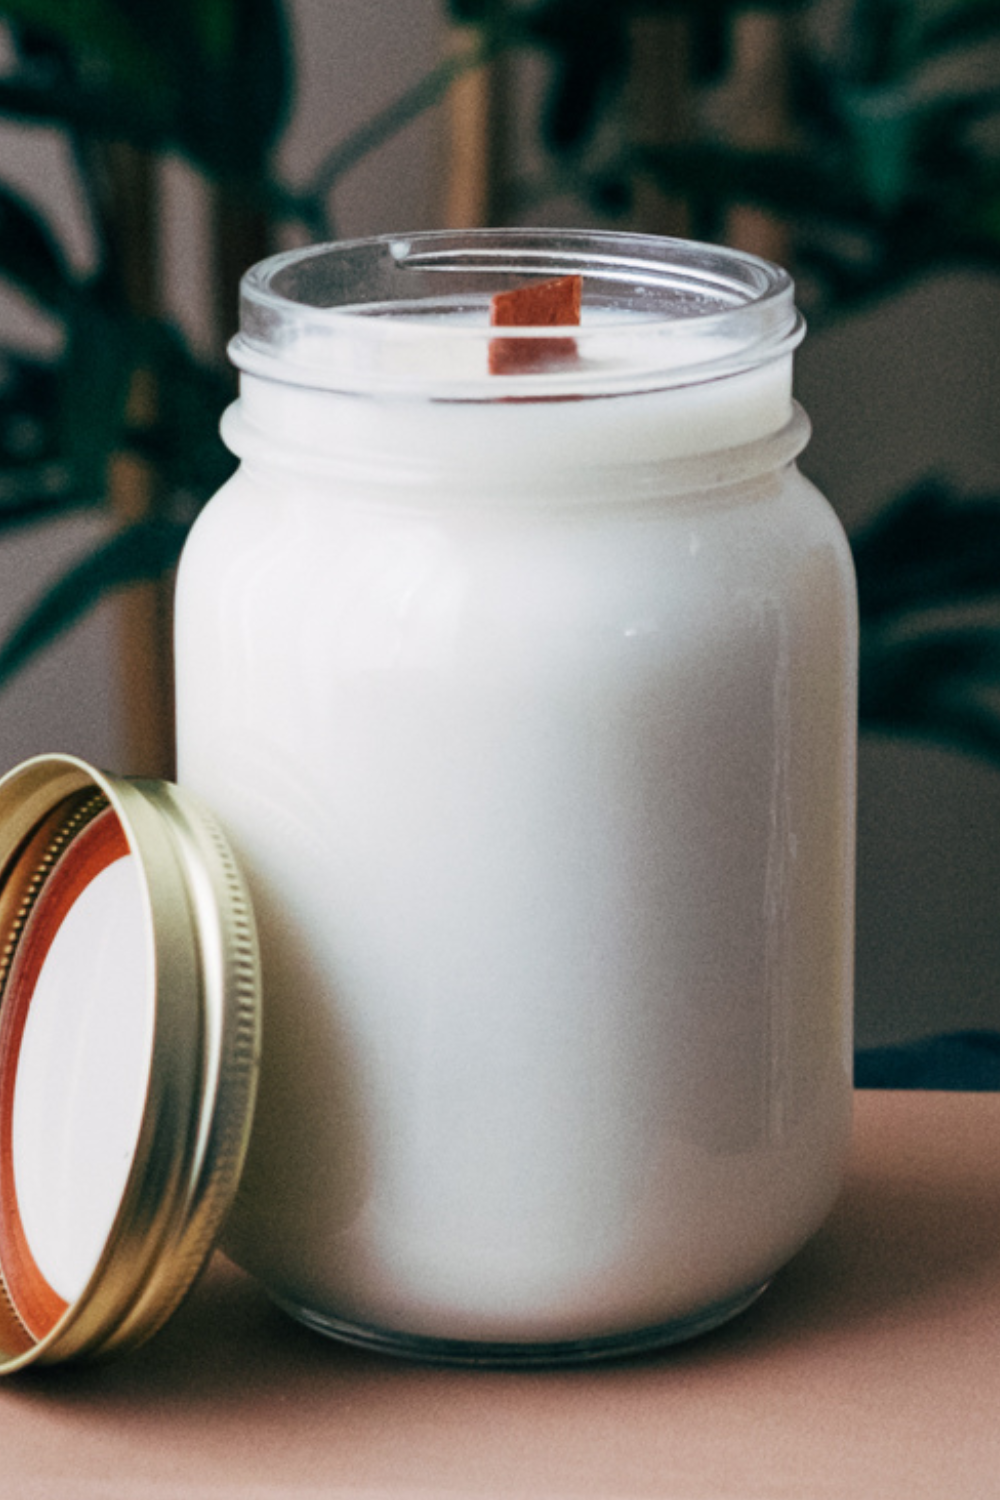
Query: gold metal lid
129, 1050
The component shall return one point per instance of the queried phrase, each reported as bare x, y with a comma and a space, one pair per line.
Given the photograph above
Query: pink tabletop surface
871, 1368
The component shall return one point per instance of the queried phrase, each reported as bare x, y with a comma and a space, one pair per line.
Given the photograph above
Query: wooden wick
541, 304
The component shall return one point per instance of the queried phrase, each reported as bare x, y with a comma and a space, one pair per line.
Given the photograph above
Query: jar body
547, 823
547, 810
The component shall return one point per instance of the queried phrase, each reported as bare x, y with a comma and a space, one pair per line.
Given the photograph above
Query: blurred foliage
929, 589
889, 171
209, 78
892, 167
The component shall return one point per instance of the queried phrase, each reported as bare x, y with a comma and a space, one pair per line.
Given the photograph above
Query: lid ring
204, 1052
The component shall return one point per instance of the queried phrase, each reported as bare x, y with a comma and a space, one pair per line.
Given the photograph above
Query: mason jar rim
408, 314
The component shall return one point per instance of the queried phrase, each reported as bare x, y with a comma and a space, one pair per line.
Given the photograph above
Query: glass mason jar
528, 702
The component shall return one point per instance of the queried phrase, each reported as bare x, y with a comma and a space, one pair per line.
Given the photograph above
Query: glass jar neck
652, 443
377, 358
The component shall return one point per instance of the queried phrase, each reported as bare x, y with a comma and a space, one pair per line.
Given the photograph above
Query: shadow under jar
527, 701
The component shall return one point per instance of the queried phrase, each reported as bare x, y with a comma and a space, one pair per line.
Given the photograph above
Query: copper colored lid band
66, 851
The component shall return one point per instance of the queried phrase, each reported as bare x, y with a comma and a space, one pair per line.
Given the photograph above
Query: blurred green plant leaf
883, 127
938, 682
83, 111
941, 25
229, 64
103, 348
930, 546
30, 256
589, 45
474, 12
143, 551
786, 181
929, 593
99, 31
183, 440
986, 216
35, 481
213, 22
41, 492
102, 57
210, 78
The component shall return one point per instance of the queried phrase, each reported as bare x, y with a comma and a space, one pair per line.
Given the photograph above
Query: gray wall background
906, 390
